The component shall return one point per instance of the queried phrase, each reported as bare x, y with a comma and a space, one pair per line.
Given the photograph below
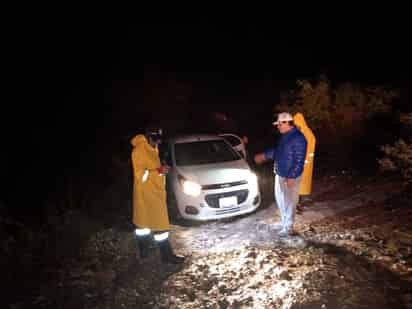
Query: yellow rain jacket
306, 183
149, 187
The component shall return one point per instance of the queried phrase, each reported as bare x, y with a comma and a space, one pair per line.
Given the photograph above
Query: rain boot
144, 243
167, 255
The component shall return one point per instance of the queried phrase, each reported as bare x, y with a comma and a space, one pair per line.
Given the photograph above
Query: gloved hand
163, 169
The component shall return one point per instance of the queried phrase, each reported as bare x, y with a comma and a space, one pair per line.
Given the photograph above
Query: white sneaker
276, 226
285, 233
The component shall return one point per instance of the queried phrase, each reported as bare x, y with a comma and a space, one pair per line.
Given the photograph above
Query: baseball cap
283, 117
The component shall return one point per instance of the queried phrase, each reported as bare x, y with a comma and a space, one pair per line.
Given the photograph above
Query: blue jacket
289, 154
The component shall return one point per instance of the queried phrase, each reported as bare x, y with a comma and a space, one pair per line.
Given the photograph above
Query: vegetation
398, 156
348, 119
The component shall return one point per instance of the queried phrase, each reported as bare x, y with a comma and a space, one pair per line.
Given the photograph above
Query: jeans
287, 199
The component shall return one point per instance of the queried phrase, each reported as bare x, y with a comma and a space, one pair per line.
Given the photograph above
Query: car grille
213, 199
224, 185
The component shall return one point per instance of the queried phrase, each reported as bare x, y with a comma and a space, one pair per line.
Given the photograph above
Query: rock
404, 238
223, 303
252, 254
284, 275
222, 287
308, 261
359, 238
384, 258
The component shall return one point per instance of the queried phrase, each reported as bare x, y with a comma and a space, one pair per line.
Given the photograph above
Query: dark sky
60, 70
56, 54
371, 50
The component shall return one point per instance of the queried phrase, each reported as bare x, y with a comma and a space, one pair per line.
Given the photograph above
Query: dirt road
351, 251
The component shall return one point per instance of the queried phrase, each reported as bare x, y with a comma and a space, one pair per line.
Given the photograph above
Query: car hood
216, 173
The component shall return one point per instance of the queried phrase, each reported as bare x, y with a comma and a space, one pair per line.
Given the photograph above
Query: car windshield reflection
204, 152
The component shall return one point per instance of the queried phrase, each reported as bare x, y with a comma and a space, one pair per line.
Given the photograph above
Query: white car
208, 179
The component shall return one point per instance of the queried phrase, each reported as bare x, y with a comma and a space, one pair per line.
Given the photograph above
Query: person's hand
163, 169
289, 182
259, 158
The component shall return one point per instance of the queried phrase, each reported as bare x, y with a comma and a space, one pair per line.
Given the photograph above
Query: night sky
78, 81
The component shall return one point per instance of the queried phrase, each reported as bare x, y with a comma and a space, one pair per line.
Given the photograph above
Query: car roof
230, 134
187, 138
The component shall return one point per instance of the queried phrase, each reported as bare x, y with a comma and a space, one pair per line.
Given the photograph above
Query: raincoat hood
299, 120
138, 139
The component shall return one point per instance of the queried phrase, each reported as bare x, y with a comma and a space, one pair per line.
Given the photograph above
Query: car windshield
204, 152
232, 140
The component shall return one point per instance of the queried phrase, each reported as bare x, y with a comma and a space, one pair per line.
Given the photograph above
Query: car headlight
252, 179
190, 187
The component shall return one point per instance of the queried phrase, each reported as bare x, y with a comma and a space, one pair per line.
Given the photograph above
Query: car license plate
228, 201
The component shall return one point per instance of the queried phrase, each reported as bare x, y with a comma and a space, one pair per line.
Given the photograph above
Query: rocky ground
352, 250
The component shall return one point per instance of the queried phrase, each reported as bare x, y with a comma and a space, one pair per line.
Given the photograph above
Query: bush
398, 157
338, 108
349, 120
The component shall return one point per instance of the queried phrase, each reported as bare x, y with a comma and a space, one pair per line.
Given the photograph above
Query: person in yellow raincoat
150, 215
306, 183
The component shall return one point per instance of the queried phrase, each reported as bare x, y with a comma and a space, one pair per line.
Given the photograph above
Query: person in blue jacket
289, 158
